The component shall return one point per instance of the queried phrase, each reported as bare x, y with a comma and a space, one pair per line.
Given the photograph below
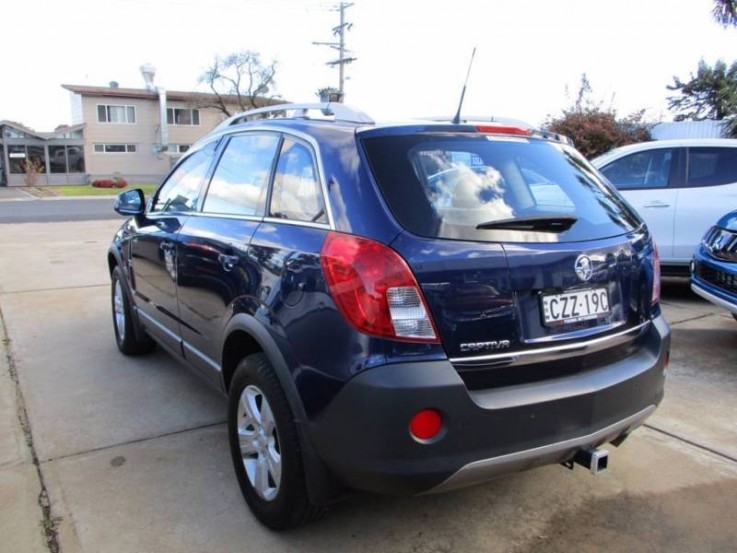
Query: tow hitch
596, 460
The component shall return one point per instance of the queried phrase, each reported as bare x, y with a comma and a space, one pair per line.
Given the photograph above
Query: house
689, 129
40, 158
135, 133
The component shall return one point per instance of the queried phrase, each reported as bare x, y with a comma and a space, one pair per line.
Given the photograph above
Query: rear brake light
656, 275
503, 129
375, 289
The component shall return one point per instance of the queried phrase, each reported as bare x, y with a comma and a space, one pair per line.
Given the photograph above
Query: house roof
173, 95
18, 126
62, 129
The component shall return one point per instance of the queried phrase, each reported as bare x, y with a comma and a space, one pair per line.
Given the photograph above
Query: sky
412, 55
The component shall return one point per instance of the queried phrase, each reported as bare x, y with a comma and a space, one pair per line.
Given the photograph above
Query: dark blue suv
403, 309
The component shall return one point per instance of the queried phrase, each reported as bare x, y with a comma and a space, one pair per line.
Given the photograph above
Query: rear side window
181, 189
650, 169
441, 185
296, 194
712, 166
241, 179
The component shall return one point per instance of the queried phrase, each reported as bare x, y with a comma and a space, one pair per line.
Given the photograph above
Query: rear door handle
167, 247
228, 261
656, 203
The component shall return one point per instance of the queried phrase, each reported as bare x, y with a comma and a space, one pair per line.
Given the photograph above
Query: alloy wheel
119, 310
259, 443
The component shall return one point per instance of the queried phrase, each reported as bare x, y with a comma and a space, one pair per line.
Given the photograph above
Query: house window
17, 159
13, 133
177, 148
116, 114
179, 116
115, 148
21, 157
66, 159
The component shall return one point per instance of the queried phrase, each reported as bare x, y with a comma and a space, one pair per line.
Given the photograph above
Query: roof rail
338, 112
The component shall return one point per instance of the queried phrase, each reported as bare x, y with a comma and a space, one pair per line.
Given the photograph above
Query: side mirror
130, 203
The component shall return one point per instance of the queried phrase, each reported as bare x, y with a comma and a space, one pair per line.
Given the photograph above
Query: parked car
714, 266
402, 309
680, 187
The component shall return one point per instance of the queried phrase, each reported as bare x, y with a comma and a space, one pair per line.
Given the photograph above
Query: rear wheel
265, 447
131, 339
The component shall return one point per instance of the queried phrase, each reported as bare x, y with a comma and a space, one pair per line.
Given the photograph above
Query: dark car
403, 309
714, 266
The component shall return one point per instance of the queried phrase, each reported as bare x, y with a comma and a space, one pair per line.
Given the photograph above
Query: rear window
712, 166
444, 185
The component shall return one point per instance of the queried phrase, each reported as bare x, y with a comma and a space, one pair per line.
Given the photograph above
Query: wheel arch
113, 260
245, 335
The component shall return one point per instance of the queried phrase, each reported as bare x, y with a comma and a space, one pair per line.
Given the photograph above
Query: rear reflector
503, 129
656, 275
426, 424
374, 289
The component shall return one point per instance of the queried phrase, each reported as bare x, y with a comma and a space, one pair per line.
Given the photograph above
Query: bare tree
725, 12
238, 82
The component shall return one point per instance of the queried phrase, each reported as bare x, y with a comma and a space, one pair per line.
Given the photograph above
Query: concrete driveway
131, 454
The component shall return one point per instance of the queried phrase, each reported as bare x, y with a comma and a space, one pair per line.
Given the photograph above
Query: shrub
110, 183
594, 129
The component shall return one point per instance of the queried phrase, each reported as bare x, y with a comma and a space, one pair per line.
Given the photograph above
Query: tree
238, 82
595, 130
710, 94
725, 12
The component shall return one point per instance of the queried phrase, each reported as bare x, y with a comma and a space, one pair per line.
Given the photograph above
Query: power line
343, 53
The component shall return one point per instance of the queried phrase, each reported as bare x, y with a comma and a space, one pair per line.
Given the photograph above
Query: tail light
656, 275
375, 289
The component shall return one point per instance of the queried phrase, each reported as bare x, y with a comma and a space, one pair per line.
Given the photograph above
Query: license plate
573, 307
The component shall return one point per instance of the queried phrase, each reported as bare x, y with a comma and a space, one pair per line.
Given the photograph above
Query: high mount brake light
503, 129
375, 289
656, 275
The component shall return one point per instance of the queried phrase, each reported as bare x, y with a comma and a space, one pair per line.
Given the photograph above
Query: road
130, 454
57, 210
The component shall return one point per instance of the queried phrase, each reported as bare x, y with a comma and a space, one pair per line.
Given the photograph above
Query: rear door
212, 255
649, 181
710, 192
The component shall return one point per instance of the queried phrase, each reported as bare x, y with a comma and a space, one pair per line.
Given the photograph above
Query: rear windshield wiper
537, 223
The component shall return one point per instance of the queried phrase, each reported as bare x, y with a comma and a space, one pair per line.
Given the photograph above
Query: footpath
23, 502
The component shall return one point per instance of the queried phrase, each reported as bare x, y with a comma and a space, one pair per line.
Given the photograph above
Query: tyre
265, 447
131, 339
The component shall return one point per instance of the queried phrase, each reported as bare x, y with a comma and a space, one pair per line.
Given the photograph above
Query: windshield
458, 185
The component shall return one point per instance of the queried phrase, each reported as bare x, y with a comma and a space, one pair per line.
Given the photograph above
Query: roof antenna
457, 118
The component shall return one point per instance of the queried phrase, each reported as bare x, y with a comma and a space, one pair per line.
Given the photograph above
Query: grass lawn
87, 190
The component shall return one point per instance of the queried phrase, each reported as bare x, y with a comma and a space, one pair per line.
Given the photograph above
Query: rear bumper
363, 435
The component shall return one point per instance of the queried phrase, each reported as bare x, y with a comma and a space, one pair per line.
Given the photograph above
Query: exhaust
594, 459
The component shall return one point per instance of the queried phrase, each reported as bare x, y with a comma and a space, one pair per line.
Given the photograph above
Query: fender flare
250, 325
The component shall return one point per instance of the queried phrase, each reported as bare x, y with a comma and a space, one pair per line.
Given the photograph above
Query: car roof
305, 117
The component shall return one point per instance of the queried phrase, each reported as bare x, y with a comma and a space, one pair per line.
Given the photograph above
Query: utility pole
342, 60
